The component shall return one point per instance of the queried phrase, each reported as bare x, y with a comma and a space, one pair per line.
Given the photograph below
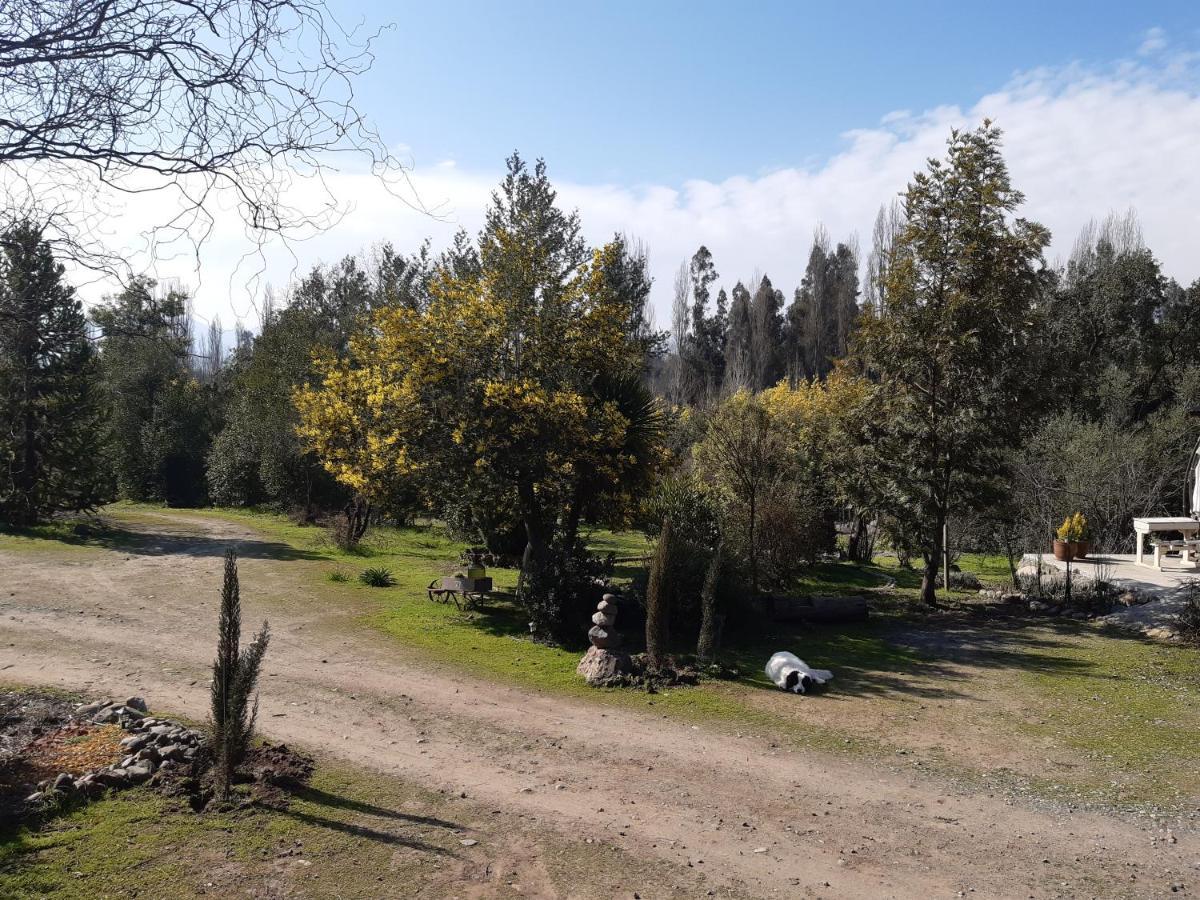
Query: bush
338, 576
377, 577
964, 581
1187, 623
560, 595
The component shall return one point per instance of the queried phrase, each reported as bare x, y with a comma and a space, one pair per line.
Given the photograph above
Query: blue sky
745, 127
665, 91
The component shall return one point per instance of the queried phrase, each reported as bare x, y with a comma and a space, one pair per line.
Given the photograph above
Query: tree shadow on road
167, 540
367, 820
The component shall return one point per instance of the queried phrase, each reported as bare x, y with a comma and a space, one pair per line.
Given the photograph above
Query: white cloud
1080, 143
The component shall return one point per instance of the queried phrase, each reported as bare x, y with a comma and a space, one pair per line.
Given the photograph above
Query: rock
90, 709
161, 730
106, 716
604, 620
608, 607
599, 666
65, 782
1037, 606
135, 742
1012, 597
139, 771
602, 638
149, 753
609, 598
138, 704
35, 797
173, 752
114, 778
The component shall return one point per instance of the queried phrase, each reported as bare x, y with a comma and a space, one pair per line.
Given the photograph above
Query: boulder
605, 639
64, 782
604, 620
599, 666
137, 703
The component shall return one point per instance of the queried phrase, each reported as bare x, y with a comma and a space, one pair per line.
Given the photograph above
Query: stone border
153, 744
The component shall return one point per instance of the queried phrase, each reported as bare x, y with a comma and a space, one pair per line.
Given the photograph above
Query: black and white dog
790, 673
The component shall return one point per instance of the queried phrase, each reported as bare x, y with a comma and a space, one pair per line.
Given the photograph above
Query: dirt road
779, 823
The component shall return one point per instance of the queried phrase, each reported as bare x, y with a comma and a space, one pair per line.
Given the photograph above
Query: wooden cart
464, 592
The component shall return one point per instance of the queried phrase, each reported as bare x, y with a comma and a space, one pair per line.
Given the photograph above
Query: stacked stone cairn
152, 745
603, 661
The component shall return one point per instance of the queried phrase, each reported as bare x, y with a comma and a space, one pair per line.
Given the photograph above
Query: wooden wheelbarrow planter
465, 593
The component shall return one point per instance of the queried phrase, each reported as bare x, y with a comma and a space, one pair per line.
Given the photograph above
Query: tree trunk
706, 644
658, 605
932, 564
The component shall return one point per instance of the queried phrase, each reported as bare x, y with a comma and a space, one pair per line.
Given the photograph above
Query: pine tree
235, 675
948, 350
51, 407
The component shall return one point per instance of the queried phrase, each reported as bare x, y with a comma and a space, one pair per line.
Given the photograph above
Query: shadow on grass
378, 834
156, 542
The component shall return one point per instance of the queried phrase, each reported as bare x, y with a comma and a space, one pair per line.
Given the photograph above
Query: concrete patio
1121, 570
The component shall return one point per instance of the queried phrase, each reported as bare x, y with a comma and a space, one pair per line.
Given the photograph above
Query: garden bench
1185, 547
1149, 526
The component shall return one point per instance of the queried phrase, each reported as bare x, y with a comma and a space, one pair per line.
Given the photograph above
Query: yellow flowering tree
518, 383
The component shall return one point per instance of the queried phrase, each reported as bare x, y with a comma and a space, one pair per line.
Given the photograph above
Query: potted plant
1064, 548
1081, 535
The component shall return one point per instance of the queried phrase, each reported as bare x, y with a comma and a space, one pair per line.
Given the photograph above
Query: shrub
235, 674
1187, 623
965, 581
560, 594
338, 576
377, 576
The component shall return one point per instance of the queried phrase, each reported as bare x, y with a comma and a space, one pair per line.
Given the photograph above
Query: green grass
348, 834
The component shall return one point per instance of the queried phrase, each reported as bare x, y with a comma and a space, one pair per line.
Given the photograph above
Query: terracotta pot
1082, 549
1064, 551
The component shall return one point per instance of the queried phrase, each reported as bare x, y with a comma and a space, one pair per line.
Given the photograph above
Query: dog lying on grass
790, 673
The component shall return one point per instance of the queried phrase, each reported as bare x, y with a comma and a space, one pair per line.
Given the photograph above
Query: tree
703, 353
739, 454
766, 331
948, 348
235, 675
739, 347
824, 309
214, 97
162, 419
658, 599
258, 457
506, 385
707, 640
51, 406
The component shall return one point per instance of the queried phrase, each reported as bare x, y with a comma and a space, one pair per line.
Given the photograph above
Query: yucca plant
235, 675
377, 577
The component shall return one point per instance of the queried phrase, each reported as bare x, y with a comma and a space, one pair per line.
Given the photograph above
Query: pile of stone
603, 661
152, 745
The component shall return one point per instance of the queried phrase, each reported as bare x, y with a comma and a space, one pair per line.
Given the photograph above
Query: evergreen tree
739, 359
766, 329
949, 347
162, 420
51, 407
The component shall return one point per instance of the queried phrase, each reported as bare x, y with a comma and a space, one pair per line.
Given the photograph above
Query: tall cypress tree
51, 410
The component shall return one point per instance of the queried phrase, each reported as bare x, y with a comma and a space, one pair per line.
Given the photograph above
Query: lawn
1056, 708
347, 834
